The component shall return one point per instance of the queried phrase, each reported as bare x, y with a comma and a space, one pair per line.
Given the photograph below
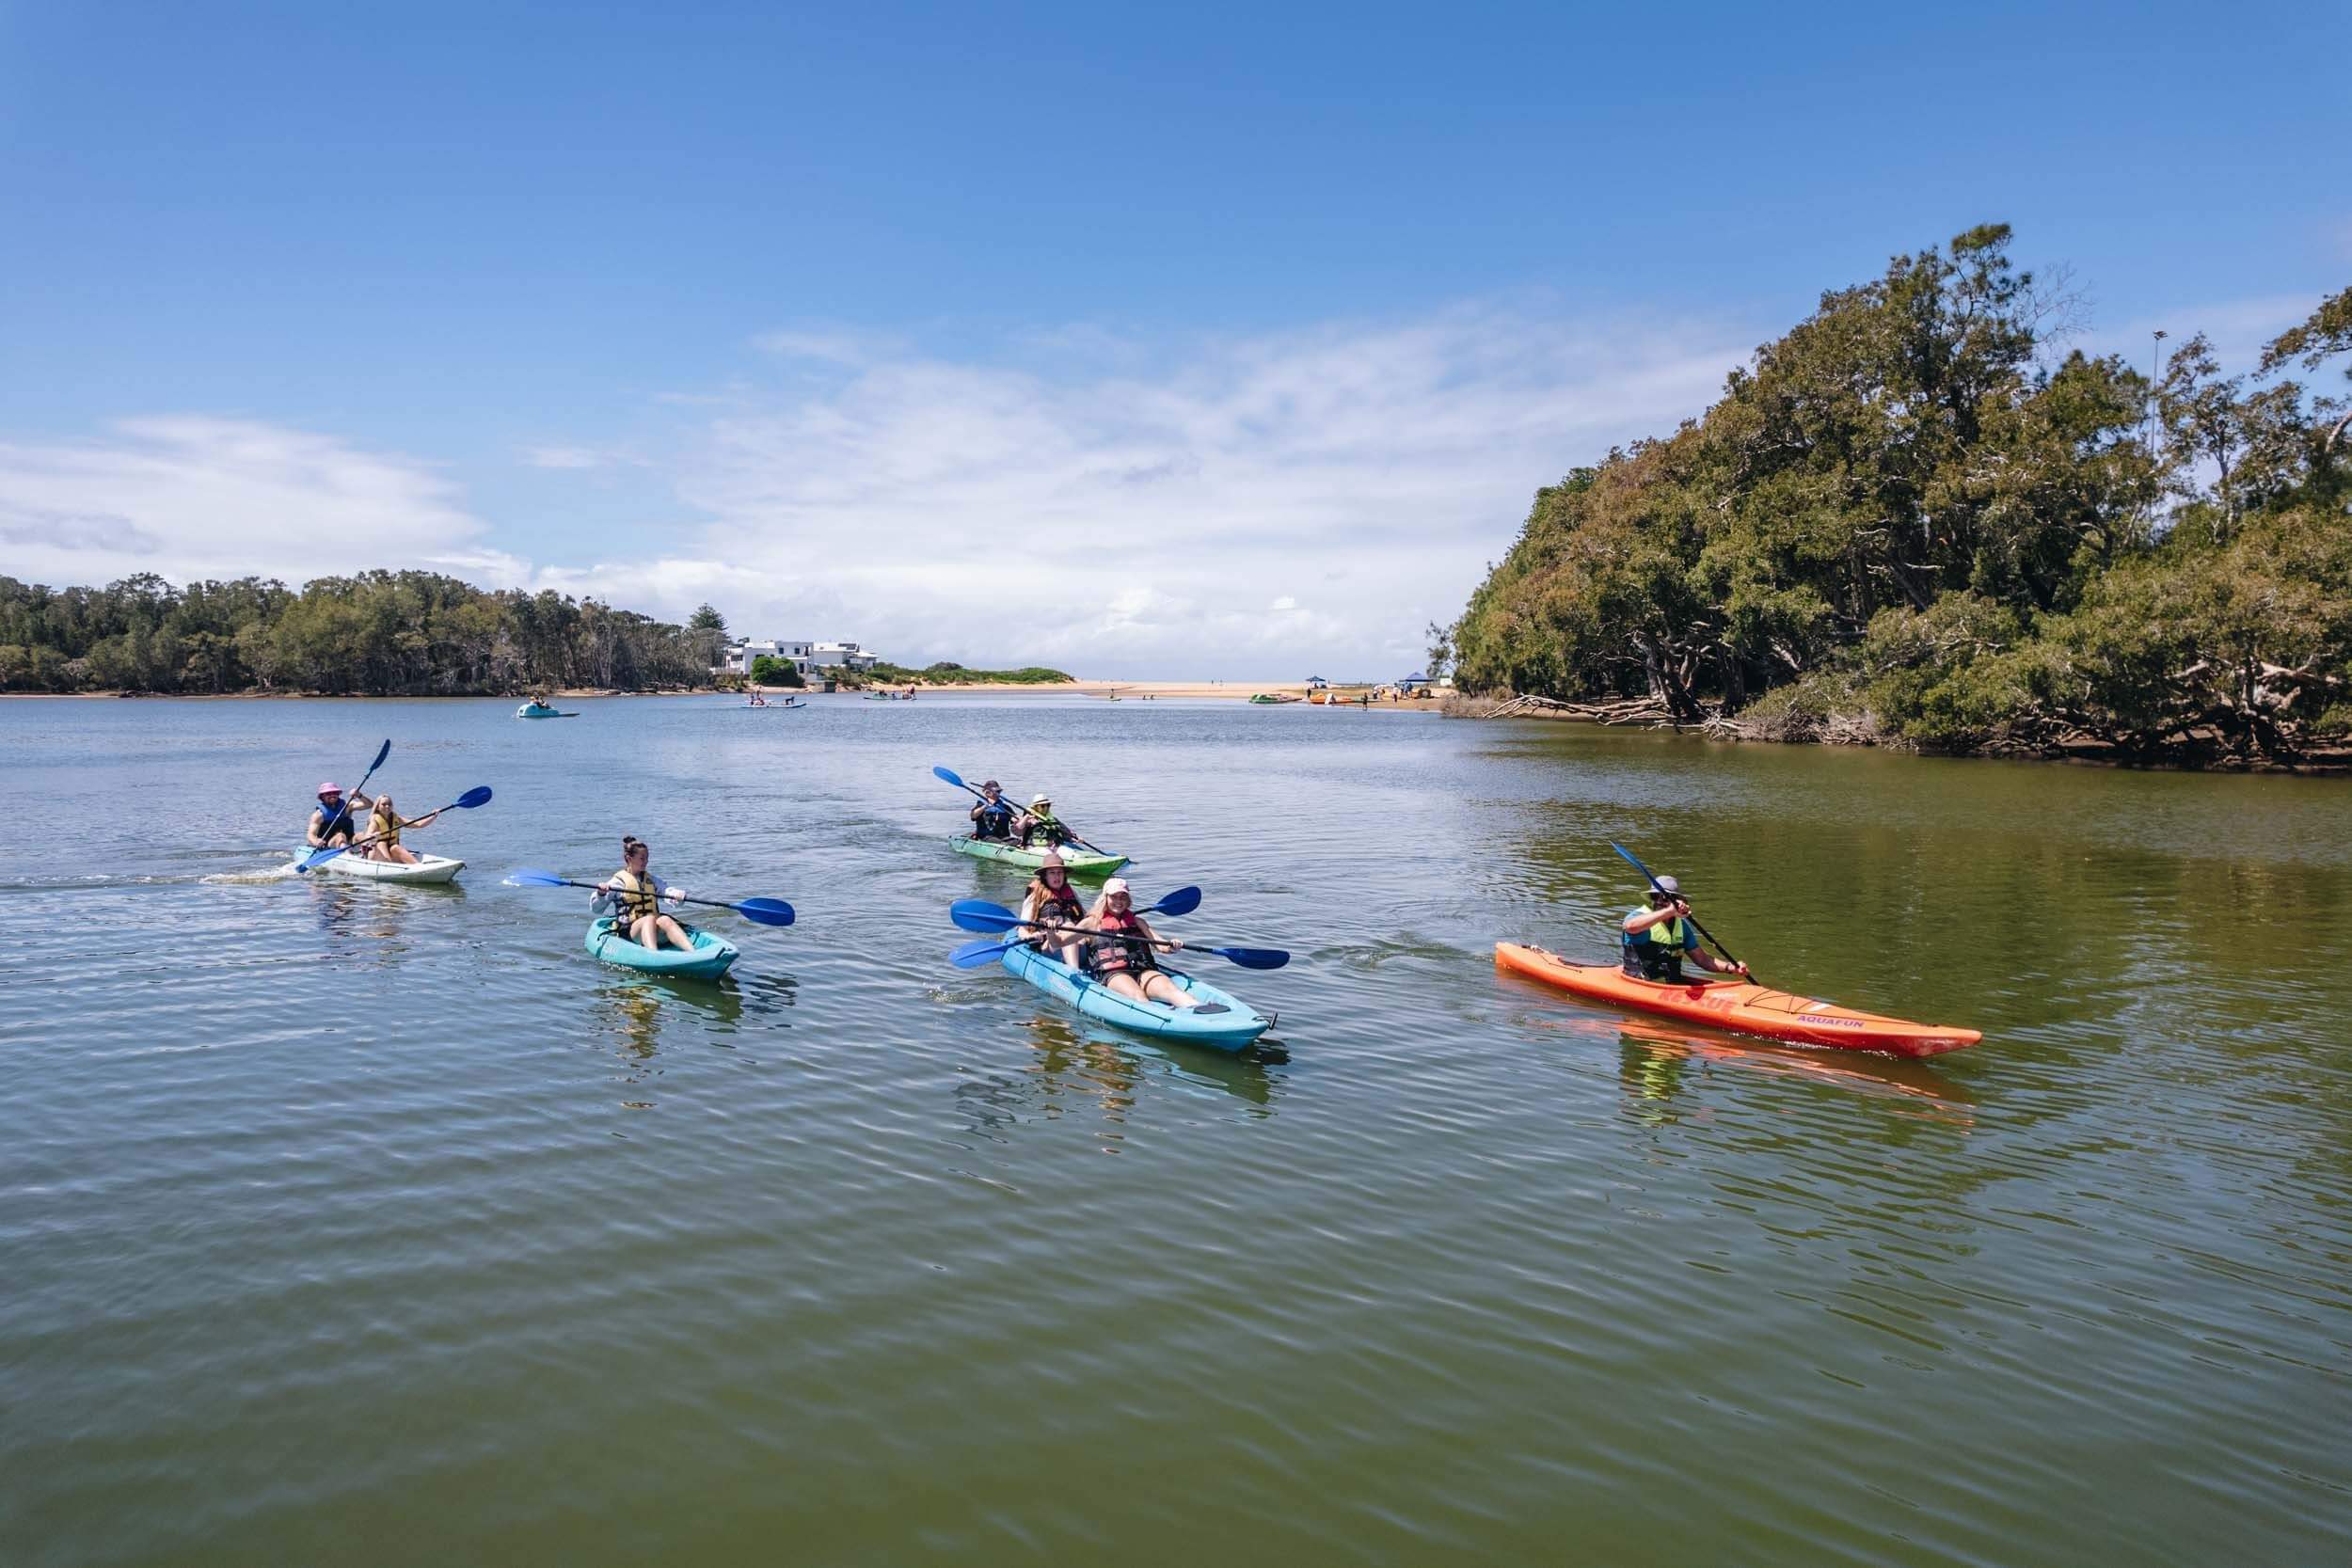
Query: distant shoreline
1214, 691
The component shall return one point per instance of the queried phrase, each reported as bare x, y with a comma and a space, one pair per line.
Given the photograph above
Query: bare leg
643, 932
665, 925
1159, 988
399, 852
1123, 984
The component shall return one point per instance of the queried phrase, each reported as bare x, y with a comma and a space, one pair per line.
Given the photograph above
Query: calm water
365, 1226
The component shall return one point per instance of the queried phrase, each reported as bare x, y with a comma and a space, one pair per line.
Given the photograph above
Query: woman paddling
384, 826
1050, 900
1125, 944
632, 895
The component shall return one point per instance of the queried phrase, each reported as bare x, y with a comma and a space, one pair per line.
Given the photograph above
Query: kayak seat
1212, 1008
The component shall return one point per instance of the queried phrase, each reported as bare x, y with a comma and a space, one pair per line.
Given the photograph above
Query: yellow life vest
637, 897
383, 828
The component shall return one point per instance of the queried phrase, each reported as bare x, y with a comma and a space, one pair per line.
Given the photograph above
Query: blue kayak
1231, 1025
706, 961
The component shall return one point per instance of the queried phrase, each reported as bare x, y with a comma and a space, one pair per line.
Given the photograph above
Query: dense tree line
1911, 519
378, 634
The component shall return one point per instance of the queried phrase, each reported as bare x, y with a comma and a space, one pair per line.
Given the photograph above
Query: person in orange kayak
1659, 936
1123, 945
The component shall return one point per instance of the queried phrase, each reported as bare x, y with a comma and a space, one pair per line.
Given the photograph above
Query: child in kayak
384, 826
991, 815
632, 895
1050, 900
1123, 947
332, 824
1039, 825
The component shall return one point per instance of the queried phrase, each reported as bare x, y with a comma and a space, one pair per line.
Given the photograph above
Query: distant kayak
706, 960
428, 870
532, 710
1226, 1024
764, 708
1740, 1005
1079, 863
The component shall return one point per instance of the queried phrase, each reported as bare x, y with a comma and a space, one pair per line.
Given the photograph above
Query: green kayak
1079, 861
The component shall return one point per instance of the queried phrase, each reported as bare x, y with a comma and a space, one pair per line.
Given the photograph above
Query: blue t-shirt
1689, 932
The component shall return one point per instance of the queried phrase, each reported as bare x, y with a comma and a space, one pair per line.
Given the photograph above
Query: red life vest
1057, 906
1133, 953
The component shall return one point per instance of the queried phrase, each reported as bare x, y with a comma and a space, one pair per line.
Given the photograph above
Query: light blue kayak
706, 961
532, 710
1232, 1026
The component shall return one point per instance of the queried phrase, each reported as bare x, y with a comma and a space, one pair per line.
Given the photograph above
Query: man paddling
331, 823
991, 815
1659, 934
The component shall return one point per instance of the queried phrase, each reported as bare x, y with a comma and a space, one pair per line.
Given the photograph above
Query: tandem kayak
1079, 863
1740, 1005
1230, 1027
706, 961
532, 710
428, 870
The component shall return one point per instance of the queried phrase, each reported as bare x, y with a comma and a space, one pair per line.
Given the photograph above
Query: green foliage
948, 674
1901, 520
378, 634
766, 670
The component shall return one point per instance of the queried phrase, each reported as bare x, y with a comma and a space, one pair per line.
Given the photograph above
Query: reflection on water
307, 1215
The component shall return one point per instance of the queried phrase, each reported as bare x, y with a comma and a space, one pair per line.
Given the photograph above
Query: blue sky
1204, 341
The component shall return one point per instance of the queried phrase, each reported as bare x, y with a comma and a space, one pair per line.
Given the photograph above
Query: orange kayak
1737, 1005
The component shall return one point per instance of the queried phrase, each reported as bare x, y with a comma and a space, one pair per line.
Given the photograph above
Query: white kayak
428, 870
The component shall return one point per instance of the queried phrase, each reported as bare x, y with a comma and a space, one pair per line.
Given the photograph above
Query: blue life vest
995, 819
337, 821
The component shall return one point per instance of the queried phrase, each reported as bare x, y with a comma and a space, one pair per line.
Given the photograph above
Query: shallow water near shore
364, 1224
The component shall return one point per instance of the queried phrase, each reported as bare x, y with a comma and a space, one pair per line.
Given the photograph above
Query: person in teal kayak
991, 815
1125, 948
633, 897
1659, 936
1050, 900
332, 823
1039, 825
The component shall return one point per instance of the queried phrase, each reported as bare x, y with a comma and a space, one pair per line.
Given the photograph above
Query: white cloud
195, 496
1110, 505
1126, 512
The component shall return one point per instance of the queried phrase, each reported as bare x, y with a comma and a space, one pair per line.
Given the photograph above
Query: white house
806, 657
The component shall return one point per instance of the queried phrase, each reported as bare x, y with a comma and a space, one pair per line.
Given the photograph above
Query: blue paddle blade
973, 954
1637, 865
944, 773
978, 915
1183, 901
766, 911
525, 877
319, 857
1248, 958
478, 796
380, 756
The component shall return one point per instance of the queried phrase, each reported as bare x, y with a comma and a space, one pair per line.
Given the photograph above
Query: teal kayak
532, 710
1231, 1025
706, 961
1079, 863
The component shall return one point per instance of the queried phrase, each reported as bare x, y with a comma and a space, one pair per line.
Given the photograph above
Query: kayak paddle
972, 955
1694, 924
760, 912
978, 915
478, 796
944, 773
